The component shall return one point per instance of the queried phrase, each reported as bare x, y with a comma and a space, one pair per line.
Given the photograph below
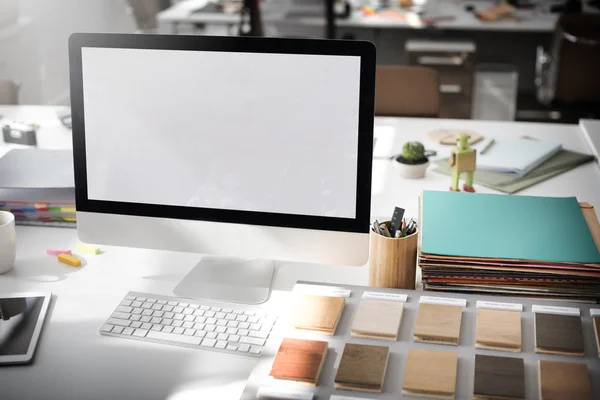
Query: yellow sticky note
69, 260
68, 209
87, 248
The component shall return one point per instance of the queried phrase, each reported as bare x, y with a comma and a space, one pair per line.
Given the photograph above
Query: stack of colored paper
34, 213
515, 245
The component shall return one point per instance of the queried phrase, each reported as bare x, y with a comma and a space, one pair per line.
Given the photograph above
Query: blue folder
549, 229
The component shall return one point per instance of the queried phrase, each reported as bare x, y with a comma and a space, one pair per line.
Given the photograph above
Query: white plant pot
411, 171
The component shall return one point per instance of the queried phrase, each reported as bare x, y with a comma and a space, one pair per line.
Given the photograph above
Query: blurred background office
528, 60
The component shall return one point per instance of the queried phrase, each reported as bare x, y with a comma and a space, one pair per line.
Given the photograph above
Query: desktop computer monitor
258, 148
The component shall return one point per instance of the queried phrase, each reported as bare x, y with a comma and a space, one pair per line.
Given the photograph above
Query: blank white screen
242, 131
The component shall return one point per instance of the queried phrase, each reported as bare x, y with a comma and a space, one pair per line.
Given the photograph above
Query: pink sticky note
55, 252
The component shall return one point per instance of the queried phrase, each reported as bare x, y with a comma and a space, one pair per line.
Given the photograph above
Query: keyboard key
231, 347
146, 326
227, 310
167, 321
187, 324
249, 313
151, 301
231, 331
189, 332
142, 299
244, 325
209, 328
170, 337
200, 319
221, 322
188, 311
169, 315
241, 318
136, 304
129, 297
253, 341
234, 338
199, 326
232, 324
172, 303
205, 308
215, 309
220, 329
177, 309
255, 350
158, 313
199, 313
252, 320
146, 318
156, 320
134, 317
200, 334
184, 305
211, 335
140, 332
168, 329
255, 327
156, 327
244, 348
189, 318
126, 303
220, 315
222, 336
118, 321
243, 332
266, 328
128, 331
107, 328
167, 308
238, 312
147, 312
137, 311
230, 317
179, 317
208, 342
221, 344
257, 334
209, 314
121, 315
211, 321
194, 306
178, 330
136, 324
146, 305
157, 307
162, 302
177, 323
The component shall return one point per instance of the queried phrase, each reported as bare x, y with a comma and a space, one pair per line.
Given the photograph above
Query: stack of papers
512, 245
37, 186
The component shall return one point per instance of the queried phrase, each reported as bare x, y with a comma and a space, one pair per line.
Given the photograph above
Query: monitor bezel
364, 50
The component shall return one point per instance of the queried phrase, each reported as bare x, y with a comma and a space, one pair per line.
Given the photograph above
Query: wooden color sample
501, 378
362, 368
498, 330
377, 319
438, 324
299, 360
430, 373
563, 380
558, 334
318, 314
597, 332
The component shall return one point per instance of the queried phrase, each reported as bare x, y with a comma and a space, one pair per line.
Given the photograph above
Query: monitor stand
232, 280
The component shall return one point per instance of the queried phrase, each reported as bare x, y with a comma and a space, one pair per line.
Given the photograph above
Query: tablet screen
18, 319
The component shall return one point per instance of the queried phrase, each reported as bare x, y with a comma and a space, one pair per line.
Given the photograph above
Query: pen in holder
392, 261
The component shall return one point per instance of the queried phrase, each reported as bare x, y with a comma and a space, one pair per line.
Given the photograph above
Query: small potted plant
413, 161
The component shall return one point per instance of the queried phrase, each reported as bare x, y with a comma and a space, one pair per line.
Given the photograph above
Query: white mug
8, 241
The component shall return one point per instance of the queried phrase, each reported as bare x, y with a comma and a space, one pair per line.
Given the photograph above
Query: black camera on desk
20, 133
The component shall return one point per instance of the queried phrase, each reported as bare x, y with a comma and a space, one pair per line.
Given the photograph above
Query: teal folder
550, 229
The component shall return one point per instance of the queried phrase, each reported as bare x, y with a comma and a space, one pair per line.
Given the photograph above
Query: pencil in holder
392, 261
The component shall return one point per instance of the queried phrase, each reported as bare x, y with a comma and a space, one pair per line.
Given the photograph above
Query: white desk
591, 131
74, 362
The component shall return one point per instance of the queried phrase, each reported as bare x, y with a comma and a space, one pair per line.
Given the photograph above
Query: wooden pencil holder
392, 261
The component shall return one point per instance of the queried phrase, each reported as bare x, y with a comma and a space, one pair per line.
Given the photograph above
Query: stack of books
37, 186
509, 245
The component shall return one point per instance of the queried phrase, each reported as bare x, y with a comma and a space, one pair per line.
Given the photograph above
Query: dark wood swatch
299, 360
319, 314
558, 334
499, 378
563, 380
438, 324
498, 330
597, 332
430, 373
362, 368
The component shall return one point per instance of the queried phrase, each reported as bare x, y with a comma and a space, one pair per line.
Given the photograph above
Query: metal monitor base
231, 280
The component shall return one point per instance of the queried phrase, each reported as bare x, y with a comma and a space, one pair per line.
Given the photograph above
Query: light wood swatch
299, 360
498, 330
563, 380
430, 373
362, 368
597, 332
558, 334
499, 378
438, 324
318, 314
378, 319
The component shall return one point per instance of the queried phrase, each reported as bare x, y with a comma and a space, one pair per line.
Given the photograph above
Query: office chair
145, 11
9, 92
402, 91
568, 74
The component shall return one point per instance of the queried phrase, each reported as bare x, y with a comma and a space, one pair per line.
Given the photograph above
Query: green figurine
463, 159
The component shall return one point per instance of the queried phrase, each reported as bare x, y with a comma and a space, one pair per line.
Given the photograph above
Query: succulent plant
413, 152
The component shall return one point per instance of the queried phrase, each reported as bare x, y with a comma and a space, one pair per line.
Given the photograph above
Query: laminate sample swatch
558, 334
596, 321
498, 330
362, 368
499, 378
299, 360
377, 319
430, 373
319, 314
563, 380
438, 324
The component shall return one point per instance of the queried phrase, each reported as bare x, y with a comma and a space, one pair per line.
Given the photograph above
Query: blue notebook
550, 229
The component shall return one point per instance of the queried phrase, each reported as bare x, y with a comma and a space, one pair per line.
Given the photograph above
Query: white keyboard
184, 322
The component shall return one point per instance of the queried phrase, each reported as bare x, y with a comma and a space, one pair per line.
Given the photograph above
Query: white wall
54, 21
